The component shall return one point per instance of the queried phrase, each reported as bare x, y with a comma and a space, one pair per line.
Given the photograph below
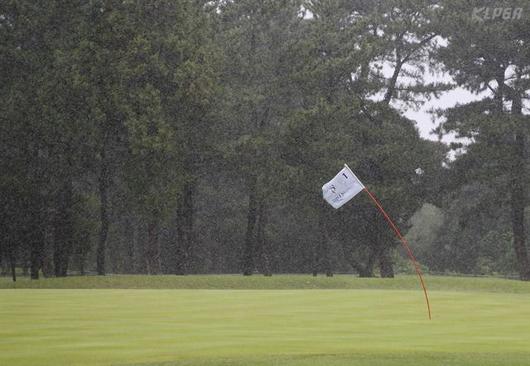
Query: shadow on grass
388, 359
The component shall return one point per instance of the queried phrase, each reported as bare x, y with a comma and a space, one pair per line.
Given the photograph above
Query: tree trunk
519, 195
153, 248
363, 271
262, 240
179, 255
316, 244
376, 246
36, 255
82, 262
47, 256
315, 256
130, 243
328, 268
103, 214
9, 252
248, 250
385, 262
324, 255
13, 262
183, 255
189, 264
366, 272
1, 257
63, 230
393, 81
368, 269
36, 237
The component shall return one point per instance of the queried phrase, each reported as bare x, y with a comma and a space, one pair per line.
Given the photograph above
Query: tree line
193, 136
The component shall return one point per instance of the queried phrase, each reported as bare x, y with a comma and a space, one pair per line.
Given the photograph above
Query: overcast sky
422, 117
424, 120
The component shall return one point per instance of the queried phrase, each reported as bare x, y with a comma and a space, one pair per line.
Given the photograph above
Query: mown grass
277, 282
364, 359
283, 320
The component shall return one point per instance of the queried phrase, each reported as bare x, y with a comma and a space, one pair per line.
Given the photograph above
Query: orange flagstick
342, 188
405, 245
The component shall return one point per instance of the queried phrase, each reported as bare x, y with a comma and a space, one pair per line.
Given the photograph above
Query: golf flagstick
342, 188
405, 245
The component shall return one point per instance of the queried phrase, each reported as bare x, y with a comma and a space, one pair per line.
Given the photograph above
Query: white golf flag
342, 188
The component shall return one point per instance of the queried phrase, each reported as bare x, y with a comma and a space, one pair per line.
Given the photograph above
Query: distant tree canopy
193, 136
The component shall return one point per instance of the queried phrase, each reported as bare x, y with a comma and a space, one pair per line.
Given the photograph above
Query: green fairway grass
277, 282
283, 320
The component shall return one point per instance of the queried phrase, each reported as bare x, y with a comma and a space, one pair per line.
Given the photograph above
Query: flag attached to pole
342, 188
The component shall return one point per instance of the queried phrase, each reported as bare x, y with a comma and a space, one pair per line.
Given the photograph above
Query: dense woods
194, 136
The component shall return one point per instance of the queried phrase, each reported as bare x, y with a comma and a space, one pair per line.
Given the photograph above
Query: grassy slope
277, 282
380, 322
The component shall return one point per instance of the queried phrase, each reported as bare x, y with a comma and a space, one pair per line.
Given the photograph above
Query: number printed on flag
342, 188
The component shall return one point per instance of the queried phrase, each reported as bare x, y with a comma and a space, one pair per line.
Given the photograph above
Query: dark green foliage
194, 136
490, 55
